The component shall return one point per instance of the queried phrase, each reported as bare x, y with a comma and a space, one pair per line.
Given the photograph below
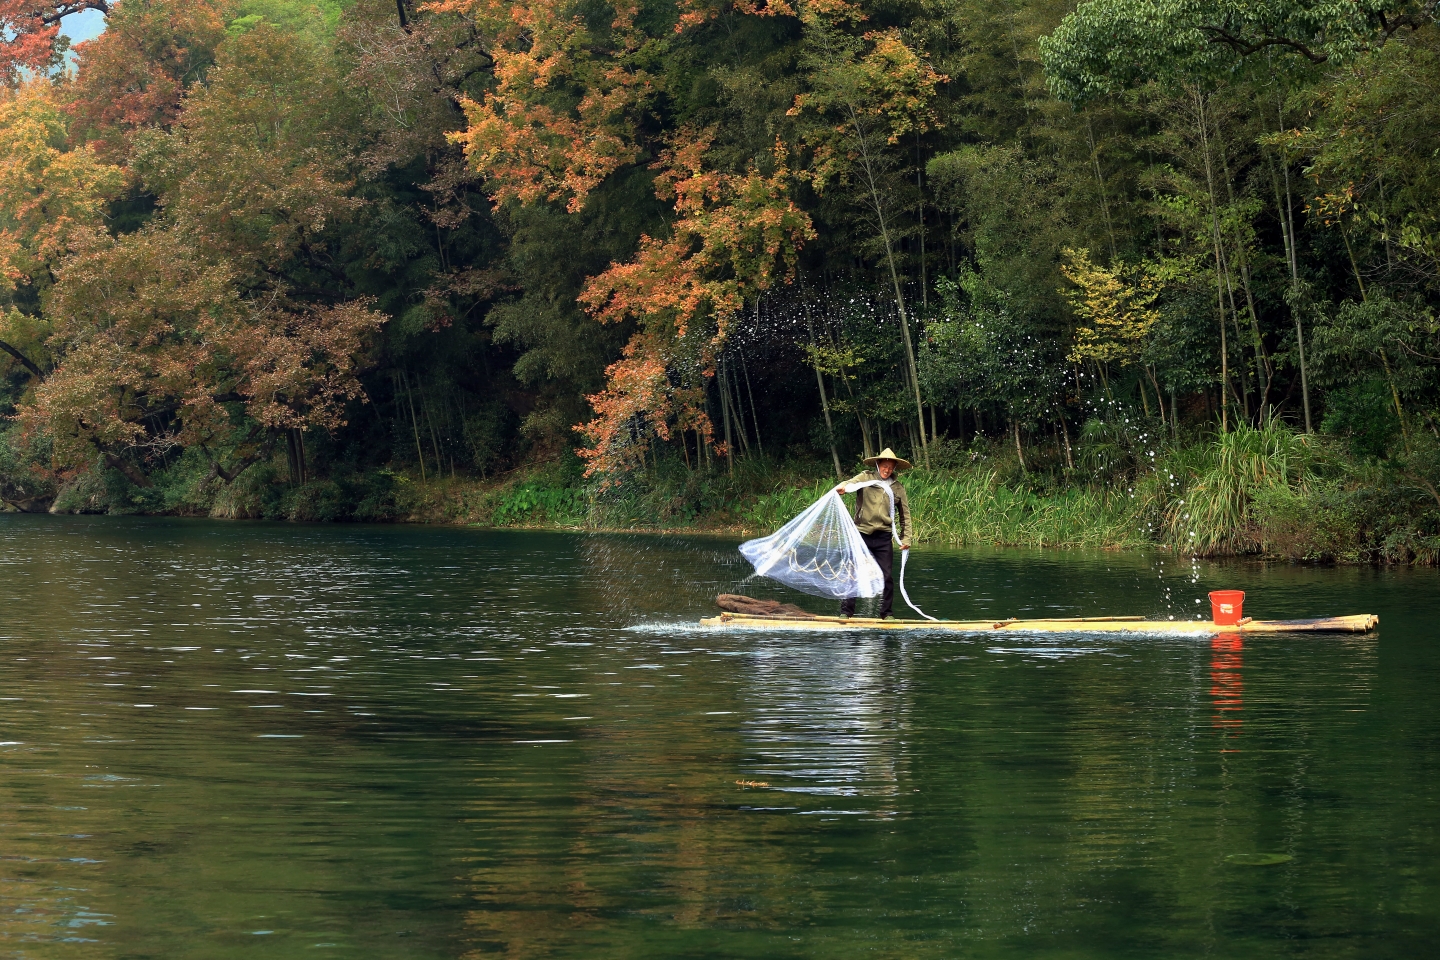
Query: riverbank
1253, 492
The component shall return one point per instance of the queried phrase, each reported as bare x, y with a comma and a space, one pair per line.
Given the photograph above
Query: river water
233, 739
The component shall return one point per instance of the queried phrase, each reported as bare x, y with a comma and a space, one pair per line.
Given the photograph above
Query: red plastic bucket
1225, 607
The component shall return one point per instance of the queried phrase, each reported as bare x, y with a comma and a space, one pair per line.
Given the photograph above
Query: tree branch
160, 411
1414, 21
243, 464
131, 474
63, 10
25, 361
1245, 48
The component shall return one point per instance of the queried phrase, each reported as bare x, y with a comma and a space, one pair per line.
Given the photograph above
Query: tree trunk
1100, 182
725, 418
1264, 372
829, 426
1384, 359
131, 474
1154, 382
877, 204
1287, 236
414, 424
754, 413
738, 407
1065, 432
430, 424
25, 361
1202, 126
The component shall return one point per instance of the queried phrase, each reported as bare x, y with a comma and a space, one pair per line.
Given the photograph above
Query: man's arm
858, 478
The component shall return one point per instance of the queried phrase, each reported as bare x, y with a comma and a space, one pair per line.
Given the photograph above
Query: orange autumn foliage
563, 115
134, 74
560, 118
30, 41
695, 12
735, 236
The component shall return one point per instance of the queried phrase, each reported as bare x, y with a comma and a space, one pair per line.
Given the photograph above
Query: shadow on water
226, 739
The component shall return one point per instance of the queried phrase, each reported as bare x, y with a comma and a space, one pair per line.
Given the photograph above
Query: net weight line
823, 569
827, 540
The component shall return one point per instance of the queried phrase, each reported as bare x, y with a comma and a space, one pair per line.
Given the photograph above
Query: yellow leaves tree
48, 193
1116, 309
50, 197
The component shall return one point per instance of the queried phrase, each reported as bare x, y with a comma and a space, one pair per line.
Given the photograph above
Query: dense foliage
259, 255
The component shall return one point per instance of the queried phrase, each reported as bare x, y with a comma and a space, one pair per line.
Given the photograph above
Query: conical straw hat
887, 454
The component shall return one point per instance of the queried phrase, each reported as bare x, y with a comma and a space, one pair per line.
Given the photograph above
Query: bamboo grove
263, 244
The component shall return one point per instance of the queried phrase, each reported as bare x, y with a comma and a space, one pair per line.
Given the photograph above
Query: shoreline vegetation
1114, 274
1267, 492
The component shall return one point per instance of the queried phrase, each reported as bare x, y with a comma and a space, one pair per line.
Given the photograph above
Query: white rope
905, 555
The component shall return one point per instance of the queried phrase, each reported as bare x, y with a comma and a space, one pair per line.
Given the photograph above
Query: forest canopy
265, 243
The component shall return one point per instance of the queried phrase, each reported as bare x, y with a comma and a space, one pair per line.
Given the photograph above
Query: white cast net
820, 552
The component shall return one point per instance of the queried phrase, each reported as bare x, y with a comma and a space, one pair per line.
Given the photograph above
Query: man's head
886, 468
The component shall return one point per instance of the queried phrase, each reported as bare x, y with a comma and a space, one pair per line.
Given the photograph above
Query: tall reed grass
1214, 510
1246, 491
975, 508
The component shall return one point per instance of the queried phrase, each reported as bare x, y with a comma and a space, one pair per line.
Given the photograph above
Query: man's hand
904, 545
841, 489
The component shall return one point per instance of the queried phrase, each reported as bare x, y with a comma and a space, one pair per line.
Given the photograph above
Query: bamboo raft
1358, 623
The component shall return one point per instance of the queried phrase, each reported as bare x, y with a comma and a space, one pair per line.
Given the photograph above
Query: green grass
1267, 491
975, 507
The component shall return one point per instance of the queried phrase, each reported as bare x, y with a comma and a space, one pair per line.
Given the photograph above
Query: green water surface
224, 739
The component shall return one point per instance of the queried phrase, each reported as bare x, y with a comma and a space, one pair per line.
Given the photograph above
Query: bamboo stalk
1203, 128
725, 418
414, 424
754, 412
829, 426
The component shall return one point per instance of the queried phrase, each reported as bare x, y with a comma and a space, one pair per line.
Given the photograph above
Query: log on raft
1358, 623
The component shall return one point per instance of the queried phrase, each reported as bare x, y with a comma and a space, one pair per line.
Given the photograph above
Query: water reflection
391, 742
828, 717
1227, 684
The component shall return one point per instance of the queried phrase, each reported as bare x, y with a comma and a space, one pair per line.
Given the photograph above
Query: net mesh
820, 552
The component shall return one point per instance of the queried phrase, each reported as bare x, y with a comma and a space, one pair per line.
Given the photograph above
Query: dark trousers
882, 548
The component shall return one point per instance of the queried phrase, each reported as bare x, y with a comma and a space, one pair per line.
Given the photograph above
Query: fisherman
873, 518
